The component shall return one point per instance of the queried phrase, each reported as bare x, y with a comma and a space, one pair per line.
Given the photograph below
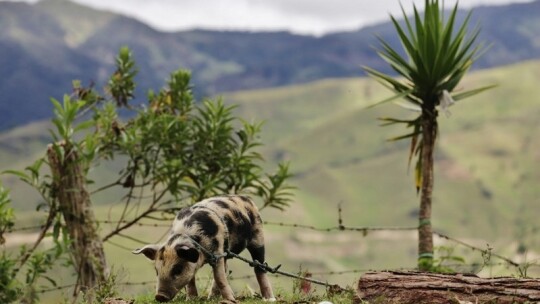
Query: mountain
44, 46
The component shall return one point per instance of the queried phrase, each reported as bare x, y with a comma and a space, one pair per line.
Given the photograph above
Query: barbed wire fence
307, 276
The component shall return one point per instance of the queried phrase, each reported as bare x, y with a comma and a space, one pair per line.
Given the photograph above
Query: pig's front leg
191, 289
215, 291
220, 281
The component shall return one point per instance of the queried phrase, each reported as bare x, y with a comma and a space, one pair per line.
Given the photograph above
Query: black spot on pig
221, 204
230, 223
196, 238
160, 253
214, 246
257, 254
245, 199
172, 239
242, 225
239, 246
204, 221
177, 270
185, 212
251, 216
226, 244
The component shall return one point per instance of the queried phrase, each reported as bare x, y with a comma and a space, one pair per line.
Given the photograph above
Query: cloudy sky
299, 16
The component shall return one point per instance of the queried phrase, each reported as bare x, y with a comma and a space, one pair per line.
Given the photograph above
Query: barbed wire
314, 273
25, 228
274, 271
340, 227
475, 248
56, 288
135, 224
37, 227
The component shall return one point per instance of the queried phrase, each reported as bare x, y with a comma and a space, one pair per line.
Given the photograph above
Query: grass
281, 297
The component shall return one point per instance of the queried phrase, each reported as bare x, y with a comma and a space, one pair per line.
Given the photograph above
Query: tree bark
69, 184
425, 232
420, 287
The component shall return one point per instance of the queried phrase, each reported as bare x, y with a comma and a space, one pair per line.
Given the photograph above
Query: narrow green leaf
394, 55
58, 107
84, 125
410, 135
449, 29
482, 49
408, 23
20, 174
60, 128
409, 105
455, 78
472, 92
407, 44
401, 70
397, 85
421, 43
465, 51
397, 96
396, 120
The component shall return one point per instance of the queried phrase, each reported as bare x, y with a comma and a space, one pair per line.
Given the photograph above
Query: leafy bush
178, 150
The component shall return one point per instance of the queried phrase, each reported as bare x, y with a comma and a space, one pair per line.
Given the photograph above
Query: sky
310, 17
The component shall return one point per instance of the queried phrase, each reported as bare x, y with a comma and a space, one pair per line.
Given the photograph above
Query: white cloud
300, 16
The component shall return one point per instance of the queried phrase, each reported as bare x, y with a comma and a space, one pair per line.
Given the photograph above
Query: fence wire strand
275, 271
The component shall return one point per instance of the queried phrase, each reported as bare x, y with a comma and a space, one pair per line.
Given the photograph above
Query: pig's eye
177, 269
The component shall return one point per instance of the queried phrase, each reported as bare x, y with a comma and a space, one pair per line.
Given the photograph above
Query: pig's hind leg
257, 254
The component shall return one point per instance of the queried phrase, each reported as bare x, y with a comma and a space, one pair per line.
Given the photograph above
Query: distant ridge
46, 45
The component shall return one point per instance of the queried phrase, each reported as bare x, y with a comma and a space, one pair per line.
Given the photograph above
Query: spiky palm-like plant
438, 54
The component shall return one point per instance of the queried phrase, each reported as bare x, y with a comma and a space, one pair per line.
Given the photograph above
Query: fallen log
421, 287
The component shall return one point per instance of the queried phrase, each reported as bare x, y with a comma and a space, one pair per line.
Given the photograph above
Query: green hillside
485, 189
68, 14
486, 178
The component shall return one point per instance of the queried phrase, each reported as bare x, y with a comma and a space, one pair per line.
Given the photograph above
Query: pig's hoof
228, 302
162, 298
270, 300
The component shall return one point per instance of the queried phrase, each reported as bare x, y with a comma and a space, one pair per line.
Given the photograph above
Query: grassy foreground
284, 298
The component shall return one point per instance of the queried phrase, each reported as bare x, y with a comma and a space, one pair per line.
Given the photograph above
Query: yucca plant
438, 53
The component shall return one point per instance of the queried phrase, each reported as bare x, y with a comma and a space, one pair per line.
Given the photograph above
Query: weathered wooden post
433, 288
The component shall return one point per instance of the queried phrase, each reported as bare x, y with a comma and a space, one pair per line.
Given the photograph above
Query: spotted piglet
207, 229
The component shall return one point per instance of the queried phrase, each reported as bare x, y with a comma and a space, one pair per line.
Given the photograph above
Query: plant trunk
68, 171
425, 232
420, 287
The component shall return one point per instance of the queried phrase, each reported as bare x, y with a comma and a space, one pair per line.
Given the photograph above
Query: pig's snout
161, 297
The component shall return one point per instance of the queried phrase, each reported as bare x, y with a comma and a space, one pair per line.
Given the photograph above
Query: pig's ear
187, 253
149, 251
